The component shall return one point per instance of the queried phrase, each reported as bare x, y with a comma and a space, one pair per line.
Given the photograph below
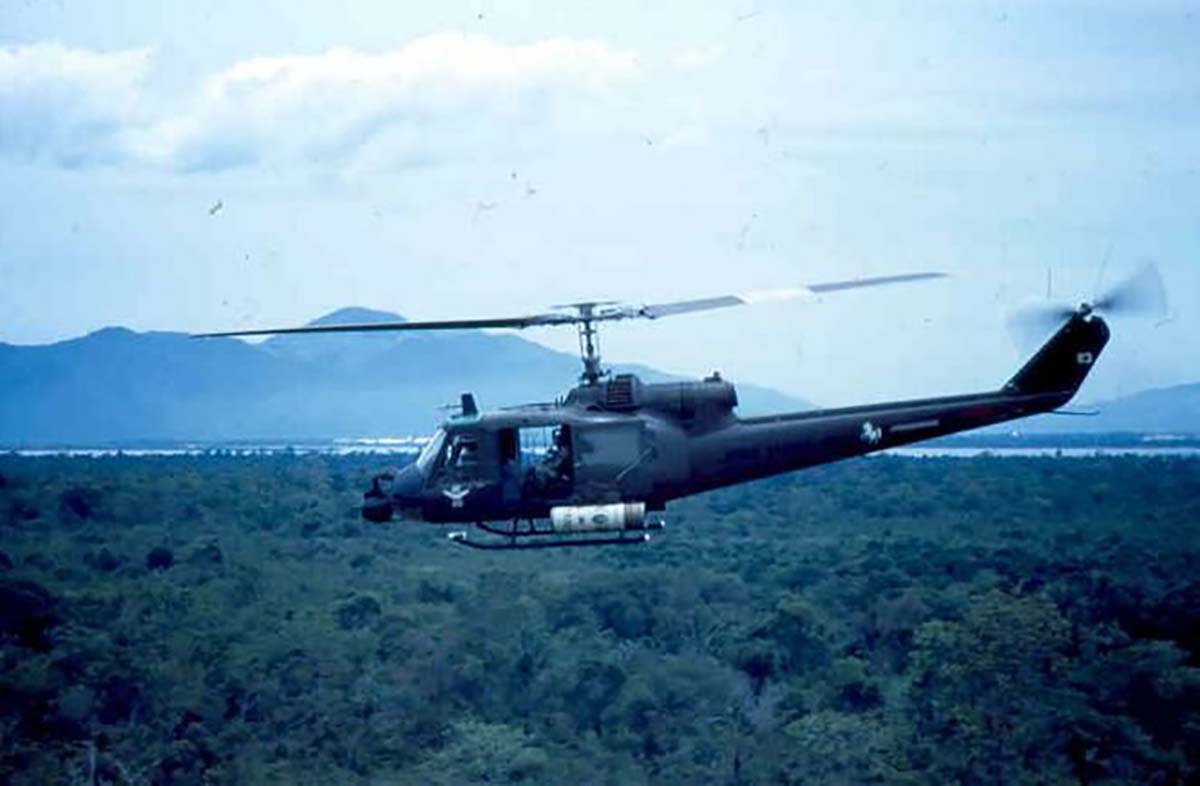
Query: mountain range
1167, 410
119, 386
116, 385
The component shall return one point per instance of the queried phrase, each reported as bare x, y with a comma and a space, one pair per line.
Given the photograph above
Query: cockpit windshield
429, 454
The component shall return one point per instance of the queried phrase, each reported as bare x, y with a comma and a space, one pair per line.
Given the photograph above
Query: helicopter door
510, 465
536, 462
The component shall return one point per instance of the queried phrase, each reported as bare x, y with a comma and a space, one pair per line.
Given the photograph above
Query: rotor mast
589, 346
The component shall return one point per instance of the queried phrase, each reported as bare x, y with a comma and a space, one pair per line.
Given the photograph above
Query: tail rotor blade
1030, 324
1141, 294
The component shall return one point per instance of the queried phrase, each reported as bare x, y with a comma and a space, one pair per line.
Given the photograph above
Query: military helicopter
597, 466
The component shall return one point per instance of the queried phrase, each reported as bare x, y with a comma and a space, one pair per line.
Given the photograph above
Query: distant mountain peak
356, 315
105, 337
111, 332
341, 348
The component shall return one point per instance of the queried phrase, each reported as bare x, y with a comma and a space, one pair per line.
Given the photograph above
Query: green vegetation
911, 621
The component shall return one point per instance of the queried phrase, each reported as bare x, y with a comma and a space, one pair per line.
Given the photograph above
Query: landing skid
531, 537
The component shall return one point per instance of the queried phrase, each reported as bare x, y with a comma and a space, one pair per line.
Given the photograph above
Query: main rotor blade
656, 310
592, 311
876, 281
368, 327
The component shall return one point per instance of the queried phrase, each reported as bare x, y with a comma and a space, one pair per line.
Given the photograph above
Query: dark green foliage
27, 612
160, 558
104, 560
360, 611
231, 620
79, 503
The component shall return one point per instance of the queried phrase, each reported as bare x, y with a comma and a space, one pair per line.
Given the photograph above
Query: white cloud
68, 104
319, 107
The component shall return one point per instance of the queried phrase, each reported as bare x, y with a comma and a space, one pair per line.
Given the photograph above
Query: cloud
307, 108
70, 105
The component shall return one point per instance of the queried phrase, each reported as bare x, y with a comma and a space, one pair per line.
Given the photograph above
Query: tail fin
1064, 361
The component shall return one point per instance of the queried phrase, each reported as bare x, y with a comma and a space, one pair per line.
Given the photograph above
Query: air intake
621, 392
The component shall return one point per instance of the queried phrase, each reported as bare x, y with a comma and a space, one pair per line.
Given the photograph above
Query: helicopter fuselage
620, 440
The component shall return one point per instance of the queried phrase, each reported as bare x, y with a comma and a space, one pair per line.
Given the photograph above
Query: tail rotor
1141, 294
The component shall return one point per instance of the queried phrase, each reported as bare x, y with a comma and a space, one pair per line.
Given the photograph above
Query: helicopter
599, 466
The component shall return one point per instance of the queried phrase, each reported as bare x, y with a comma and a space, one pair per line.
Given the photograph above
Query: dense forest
220, 619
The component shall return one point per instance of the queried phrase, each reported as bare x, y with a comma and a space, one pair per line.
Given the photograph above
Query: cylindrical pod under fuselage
600, 518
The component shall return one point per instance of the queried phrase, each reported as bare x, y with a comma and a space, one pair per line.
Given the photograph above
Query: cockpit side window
464, 451
428, 457
534, 442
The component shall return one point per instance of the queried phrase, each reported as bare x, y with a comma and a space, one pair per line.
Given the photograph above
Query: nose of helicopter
393, 492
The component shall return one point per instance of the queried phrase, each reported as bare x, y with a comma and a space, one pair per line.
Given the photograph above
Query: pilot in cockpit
464, 452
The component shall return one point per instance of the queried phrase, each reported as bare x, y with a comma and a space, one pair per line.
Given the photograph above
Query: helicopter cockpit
463, 455
523, 462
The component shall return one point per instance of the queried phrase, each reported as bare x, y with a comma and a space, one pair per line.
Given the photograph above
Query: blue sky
453, 159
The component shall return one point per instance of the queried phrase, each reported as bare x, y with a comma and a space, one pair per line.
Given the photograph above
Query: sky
223, 165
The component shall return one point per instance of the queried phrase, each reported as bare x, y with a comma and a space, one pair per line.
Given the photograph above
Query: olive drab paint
620, 442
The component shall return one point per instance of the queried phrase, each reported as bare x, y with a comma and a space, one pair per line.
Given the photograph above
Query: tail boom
763, 446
